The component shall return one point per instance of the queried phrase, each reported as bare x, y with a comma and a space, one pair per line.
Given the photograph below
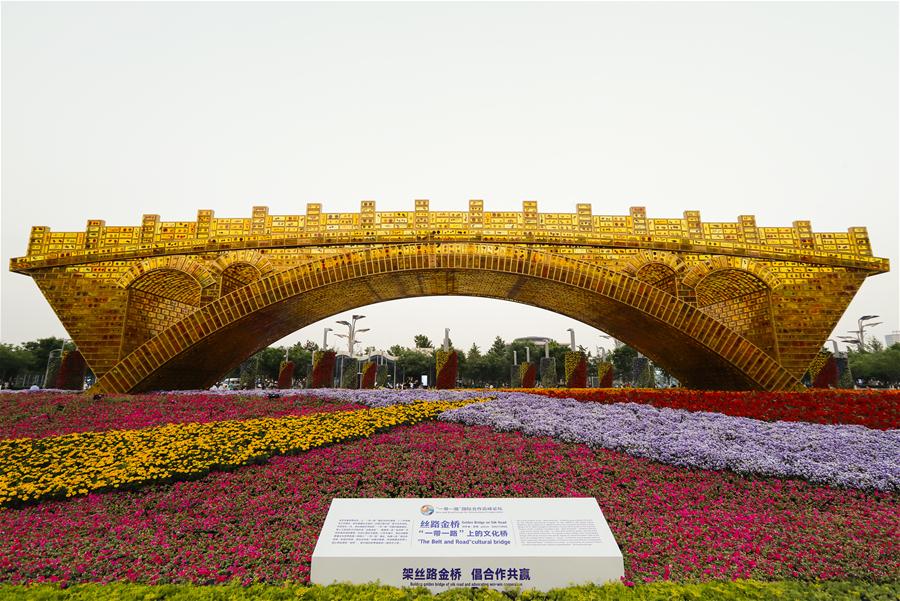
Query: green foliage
877, 367
413, 365
40, 350
31, 358
658, 591
349, 373
423, 341
622, 359
381, 376
647, 378
490, 368
498, 347
14, 359
265, 365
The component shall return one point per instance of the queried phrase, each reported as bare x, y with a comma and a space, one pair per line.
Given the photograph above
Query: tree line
28, 362
875, 365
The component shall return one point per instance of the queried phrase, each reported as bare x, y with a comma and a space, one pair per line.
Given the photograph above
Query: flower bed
576, 370
323, 369
446, 369
74, 464
527, 375
843, 455
286, 374
35, 415
260, 522
871, 408
711, 591
369, 370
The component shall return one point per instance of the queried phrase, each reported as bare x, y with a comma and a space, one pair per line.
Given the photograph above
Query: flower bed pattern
873, 409
527, 374
709, 591
851, 456
322, 369
369, 370
71, 371
74, 464
605, 373
576, 370
446, 369
286, 374
260, 522
36, 415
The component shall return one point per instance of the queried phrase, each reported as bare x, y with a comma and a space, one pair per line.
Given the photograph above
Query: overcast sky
113, 110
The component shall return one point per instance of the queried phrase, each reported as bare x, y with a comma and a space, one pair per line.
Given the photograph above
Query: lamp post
862, 327
851, 340
352, 332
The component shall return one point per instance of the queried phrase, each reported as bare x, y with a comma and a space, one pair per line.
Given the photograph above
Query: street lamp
851, 340
616, 342
351, 337
862, 327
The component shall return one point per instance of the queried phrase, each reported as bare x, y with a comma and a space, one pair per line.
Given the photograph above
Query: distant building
892, 338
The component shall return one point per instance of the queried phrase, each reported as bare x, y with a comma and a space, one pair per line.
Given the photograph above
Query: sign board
451, 543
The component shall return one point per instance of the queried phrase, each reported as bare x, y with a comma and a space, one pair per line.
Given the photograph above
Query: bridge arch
696, 348
698, 272
186, 265
248, 257
237, 275
633, 264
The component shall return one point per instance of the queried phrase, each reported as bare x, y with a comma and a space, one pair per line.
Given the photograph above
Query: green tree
622, 359
877, 368
873, 345
472, 370
498, 347
414, 365
422, 341
13, 359
40, 350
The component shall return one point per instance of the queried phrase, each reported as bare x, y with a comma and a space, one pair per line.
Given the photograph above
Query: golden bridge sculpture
176, 305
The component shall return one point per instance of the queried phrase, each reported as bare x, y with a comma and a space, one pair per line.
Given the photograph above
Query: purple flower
843, 455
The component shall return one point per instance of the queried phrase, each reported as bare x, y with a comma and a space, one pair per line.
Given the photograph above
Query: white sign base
451, 543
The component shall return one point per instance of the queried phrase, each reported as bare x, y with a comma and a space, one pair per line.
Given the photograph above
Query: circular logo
427, 509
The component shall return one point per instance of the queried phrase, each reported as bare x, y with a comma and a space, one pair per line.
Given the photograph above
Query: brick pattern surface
755, 303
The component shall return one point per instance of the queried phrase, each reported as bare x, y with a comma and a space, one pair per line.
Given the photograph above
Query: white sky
112, 110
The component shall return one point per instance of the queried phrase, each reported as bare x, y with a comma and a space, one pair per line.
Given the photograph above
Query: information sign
449, 543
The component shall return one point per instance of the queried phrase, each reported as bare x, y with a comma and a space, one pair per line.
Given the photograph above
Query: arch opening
742, 301
238, 275
659, 276
696, 348
156, 300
